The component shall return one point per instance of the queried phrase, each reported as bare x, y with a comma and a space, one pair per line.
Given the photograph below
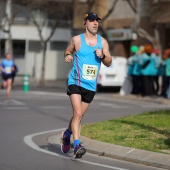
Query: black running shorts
86, 95
6, 77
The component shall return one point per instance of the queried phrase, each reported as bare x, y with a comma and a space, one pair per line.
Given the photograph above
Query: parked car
114, 75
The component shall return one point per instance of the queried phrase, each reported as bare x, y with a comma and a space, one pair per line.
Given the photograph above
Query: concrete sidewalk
149, 158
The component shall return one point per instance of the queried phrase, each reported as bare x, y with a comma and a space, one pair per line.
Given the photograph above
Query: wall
55, 67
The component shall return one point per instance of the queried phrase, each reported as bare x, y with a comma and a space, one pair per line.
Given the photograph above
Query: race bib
90, 72
8, 70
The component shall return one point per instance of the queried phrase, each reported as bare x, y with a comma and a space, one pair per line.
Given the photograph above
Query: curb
155, 99
128, 154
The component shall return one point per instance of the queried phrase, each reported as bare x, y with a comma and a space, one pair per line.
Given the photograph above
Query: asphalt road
28, 119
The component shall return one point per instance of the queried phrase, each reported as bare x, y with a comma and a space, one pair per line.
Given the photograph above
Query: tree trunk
8, 44
44, 49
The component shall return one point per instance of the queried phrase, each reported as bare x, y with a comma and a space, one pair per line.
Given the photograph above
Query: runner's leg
9, 83
4, 84
85, 106
79, 109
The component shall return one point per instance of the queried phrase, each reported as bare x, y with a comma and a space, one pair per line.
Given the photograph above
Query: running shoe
79, 151
65, 143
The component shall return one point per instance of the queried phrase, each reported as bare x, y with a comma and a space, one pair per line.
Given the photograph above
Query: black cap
91, 16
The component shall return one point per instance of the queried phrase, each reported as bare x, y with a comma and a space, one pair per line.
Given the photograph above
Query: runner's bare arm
107, 60
69, 52
73, 47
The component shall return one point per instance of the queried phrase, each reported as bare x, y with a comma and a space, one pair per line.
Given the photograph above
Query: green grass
147, 131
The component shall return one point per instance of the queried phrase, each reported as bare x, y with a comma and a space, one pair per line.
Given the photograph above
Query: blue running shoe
65, 143
79, 151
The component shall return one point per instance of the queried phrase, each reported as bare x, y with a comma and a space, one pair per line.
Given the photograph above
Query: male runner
86, 51
7, 67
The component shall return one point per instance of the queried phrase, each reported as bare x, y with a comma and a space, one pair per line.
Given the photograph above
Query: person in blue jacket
168, 76
7, 68
156, 70
133, 70
147, 70
165, 79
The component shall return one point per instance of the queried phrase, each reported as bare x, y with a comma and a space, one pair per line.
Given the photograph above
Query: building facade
27, 51
118, 26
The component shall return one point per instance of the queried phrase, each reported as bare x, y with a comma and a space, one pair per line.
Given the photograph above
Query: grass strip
147, 131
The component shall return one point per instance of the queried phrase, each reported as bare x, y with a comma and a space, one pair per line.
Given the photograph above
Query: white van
114, 75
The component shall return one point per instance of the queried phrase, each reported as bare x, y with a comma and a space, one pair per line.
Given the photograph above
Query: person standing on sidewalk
168, 76
86, 51
7, 67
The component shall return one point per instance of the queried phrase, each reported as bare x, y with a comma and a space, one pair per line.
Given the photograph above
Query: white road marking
11, 102
52, 107
28, 140
113, 105
16, 108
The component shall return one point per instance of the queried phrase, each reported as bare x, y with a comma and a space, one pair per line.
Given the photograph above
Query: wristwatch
103, 57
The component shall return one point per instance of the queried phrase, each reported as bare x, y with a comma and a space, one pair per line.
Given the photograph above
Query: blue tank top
86, 65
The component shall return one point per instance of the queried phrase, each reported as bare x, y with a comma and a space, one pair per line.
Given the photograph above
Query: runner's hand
68, 58
99, 53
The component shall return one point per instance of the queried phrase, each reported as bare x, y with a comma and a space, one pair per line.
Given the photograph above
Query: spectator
134, 70
147, 65
155, 77
168, 75
165, 78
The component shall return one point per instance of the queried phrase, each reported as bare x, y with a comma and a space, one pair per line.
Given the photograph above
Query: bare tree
91, 4
47, 16
6, 22
2, 18
7, 15
101, 27
2, 13
136, 8
155, 39
7, 27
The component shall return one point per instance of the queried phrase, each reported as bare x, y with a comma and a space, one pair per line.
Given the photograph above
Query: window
2, 48
34, 46
59, 46
18, 48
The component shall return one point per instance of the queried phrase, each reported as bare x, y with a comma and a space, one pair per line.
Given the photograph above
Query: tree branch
90, 4
144, 34
110, 11
132, 6
38, 27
